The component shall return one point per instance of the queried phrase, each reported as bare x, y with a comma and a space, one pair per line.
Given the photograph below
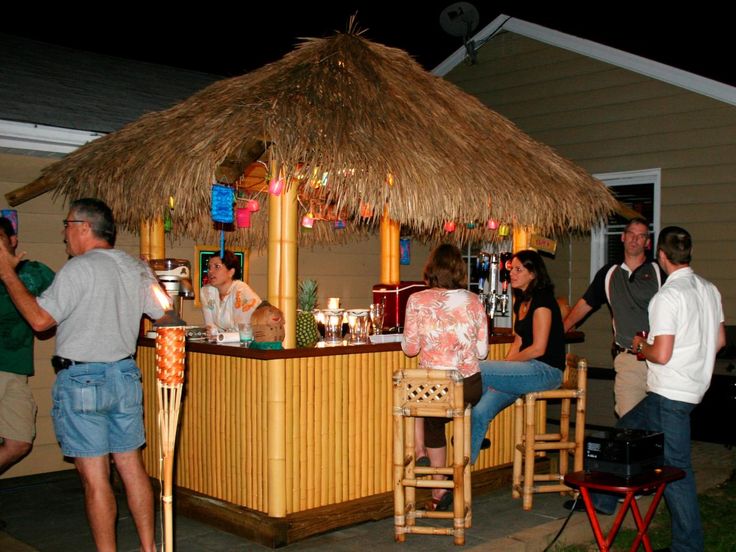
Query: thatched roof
384, 130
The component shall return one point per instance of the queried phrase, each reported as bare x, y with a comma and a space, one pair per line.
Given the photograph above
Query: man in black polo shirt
627, 288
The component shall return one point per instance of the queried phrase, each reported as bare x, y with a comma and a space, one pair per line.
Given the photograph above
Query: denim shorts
98, 408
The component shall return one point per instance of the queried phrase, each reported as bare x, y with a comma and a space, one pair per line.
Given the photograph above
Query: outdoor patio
46, 513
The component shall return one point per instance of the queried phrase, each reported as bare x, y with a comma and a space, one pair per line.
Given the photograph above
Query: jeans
658, 413
505, 381
98, 408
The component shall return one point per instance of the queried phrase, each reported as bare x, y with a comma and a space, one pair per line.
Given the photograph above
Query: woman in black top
537, 356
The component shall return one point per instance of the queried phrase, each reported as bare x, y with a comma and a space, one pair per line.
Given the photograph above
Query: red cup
644, 334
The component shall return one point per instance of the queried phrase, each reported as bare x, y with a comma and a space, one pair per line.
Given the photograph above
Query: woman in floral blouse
447, 327
226, 300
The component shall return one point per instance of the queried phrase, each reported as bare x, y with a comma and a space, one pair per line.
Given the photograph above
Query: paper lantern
223, 198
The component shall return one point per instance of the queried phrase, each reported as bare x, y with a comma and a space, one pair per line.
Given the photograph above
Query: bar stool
430, 393
529, 443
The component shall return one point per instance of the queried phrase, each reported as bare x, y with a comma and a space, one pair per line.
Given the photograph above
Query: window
640, 192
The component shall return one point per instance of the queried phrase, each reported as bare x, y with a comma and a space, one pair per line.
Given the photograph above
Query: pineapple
306, 326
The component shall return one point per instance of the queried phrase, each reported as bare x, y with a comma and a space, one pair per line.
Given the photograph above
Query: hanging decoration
308, 220
169, 216
223, 200
449, 226
504, 230
492, 224
242, 214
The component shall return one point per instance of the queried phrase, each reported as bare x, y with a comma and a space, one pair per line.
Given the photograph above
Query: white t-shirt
688, 307
97, 300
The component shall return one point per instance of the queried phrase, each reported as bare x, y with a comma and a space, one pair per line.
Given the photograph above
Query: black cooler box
624, 452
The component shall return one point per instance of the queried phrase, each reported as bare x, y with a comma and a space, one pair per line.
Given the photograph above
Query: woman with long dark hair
446, 326
226, 300
536, 359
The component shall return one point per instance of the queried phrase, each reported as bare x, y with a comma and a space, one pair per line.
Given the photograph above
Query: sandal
422, 462
440, 504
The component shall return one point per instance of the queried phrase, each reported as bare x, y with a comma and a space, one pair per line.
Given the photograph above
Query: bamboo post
276, 424
157, 241
282, 258
145, 240
390, 254
289, 224
520, 237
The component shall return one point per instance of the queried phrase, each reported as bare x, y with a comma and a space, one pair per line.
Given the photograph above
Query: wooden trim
237, 351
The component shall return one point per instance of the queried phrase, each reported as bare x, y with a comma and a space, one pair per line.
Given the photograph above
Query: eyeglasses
67, 222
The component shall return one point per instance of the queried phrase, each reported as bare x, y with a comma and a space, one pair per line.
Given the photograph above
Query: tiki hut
358, 128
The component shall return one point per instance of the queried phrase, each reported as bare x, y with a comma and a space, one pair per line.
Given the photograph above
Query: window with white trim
638, 191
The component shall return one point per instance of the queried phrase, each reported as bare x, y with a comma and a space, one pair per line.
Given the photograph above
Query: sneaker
636, 497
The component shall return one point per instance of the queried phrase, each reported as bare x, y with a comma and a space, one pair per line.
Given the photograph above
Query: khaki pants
17, 408
630, 386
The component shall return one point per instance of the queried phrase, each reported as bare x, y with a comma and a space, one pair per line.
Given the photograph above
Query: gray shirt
97, 300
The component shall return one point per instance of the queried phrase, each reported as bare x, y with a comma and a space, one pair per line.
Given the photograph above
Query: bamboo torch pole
170, 358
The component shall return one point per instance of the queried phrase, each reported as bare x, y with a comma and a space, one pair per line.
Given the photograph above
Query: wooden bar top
235, 350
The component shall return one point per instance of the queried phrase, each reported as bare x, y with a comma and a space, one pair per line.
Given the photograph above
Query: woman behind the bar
536, 359
446, 326
226, 300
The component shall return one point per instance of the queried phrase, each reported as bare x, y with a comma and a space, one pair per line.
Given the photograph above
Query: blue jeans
658, 413
504, 381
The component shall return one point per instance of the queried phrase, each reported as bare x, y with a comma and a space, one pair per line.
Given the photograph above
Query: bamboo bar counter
280, 445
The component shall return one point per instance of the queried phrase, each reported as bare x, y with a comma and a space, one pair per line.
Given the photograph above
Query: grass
718, 514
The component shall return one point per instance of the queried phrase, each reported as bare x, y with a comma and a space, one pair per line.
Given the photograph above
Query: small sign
541, 243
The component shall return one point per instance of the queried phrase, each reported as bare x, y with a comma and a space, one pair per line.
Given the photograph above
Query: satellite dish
461, 19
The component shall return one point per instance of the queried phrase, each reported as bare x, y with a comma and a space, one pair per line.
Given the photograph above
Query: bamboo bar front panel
321, 418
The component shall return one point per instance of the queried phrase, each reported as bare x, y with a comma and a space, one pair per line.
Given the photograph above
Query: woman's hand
541, 326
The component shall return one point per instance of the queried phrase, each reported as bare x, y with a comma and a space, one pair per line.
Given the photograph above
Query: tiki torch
170, 359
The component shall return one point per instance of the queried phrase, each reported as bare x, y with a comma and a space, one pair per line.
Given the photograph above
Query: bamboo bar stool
530, 444
430, 393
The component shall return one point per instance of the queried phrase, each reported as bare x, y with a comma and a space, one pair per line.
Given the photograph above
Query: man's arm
23, 299
659, 352
578, 312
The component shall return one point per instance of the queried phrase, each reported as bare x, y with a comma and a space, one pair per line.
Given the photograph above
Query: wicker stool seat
529, 443
430, 393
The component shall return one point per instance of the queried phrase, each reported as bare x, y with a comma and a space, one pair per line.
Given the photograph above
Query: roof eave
650, 68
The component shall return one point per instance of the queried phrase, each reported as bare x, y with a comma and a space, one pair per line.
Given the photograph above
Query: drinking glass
246, 334
377, 312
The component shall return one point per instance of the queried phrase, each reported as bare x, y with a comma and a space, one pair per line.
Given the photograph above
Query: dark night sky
232, 40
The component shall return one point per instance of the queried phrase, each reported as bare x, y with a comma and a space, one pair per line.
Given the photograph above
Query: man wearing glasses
96, 301
627, 288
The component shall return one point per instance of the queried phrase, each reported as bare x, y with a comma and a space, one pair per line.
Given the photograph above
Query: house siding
608, 119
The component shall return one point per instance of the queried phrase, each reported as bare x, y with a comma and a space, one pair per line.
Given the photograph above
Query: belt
618, 350
61, 363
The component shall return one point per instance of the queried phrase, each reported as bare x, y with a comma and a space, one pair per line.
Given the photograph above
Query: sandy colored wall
609, 119
346, 271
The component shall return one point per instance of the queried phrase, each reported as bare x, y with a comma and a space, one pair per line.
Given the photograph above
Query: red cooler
396, 296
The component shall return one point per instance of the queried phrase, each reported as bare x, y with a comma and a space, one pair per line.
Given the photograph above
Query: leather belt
61, 363
618, 350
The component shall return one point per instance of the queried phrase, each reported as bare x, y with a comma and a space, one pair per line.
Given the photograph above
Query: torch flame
162, 297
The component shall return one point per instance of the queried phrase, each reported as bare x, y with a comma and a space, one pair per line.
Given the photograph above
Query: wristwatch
639, 348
